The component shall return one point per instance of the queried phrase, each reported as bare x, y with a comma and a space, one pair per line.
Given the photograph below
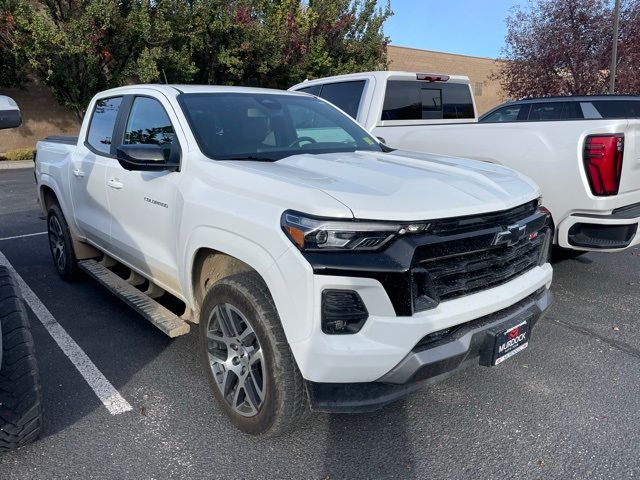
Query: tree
12, 71
557, 47
78, 48
628, 69
277, 43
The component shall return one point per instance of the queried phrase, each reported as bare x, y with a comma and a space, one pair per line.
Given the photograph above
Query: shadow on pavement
372, 445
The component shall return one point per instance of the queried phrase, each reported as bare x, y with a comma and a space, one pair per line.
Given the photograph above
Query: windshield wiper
250, 157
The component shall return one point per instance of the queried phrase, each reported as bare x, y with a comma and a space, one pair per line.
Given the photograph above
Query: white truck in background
323, 268
588, 169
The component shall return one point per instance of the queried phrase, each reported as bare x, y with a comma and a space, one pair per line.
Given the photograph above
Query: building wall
41, 116
487, 92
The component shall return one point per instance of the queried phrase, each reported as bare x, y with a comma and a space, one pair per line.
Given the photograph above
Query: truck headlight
324, 234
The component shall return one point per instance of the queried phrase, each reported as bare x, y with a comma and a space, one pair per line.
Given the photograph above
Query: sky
469, 27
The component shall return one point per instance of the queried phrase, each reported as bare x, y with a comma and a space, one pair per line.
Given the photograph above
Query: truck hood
405, 185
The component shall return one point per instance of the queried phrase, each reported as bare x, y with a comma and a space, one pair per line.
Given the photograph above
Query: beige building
44, 116
487, 92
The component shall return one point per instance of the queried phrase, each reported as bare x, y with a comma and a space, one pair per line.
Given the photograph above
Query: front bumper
386, 339
604, 233
467, 345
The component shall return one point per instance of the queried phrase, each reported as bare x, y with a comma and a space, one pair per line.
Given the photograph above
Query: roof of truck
383, 75
175, 89
575, 98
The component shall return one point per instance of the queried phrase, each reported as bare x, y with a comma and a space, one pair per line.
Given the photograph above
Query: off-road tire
285, 400
20, 395
68, 269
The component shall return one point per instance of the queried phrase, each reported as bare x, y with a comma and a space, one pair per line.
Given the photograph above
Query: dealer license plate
510, 342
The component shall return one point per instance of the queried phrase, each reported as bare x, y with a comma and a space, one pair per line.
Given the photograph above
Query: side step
168, 322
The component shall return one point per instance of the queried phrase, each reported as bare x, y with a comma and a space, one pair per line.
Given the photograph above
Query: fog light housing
343, 312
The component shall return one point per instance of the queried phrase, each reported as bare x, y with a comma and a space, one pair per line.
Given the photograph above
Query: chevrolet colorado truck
323, 269
20, 394
586, 163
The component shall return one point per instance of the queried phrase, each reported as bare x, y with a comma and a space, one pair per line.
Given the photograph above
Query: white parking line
22, 236
106, 392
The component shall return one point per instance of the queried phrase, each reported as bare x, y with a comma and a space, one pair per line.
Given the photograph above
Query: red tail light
603, 163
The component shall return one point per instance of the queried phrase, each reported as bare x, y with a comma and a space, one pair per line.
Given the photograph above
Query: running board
168, 322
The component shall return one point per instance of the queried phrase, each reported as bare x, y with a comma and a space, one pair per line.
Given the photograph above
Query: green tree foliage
78, 48
12, 71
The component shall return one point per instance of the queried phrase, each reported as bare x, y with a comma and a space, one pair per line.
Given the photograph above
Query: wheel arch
216, 254
49, 197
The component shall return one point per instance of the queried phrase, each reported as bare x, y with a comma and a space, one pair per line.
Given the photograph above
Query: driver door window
149, 124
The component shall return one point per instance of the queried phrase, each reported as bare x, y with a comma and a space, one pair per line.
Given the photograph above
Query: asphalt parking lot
567, 407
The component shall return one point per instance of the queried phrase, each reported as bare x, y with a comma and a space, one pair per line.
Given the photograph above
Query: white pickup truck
323, 268
588, 169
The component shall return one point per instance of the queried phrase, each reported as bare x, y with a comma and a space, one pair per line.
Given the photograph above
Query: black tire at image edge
20, 393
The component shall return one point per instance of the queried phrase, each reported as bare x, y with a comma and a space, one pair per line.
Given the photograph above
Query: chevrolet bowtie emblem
512, 235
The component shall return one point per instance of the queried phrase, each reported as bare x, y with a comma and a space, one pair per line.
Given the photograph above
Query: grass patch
17, 155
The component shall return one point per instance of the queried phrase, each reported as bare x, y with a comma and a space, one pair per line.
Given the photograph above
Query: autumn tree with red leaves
628, 69
563, 47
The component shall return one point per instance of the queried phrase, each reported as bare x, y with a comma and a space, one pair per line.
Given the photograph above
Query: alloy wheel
56, 242
236, 360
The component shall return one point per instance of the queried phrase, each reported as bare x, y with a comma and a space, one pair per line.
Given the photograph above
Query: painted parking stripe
23, 236
108, 395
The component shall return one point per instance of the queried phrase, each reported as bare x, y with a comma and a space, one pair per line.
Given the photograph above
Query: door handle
115, 183
78, 173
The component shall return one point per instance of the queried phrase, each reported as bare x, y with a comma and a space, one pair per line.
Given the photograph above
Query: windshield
257, 126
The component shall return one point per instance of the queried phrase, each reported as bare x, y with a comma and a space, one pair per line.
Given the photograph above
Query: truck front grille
440, 278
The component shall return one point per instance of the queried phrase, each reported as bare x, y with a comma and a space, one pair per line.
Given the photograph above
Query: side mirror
9, 113
382, 140
148, 157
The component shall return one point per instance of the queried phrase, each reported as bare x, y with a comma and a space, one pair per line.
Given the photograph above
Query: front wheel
60, 244
247, 359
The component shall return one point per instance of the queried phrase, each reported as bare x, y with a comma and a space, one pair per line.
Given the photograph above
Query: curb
7, 165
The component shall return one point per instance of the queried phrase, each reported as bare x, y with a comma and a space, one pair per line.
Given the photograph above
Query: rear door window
552, 111
413, 100
344, 95
572, 111
547, 111
103, 121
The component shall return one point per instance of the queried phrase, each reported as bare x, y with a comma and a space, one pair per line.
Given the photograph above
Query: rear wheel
60, 244
20, 397
247, 359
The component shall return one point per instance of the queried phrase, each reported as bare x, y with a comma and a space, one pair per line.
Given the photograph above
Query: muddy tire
248, 362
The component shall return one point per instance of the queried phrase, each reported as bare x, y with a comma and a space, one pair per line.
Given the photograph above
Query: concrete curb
7, 165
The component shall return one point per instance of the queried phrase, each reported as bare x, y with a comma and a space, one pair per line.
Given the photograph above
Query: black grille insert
461, 274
